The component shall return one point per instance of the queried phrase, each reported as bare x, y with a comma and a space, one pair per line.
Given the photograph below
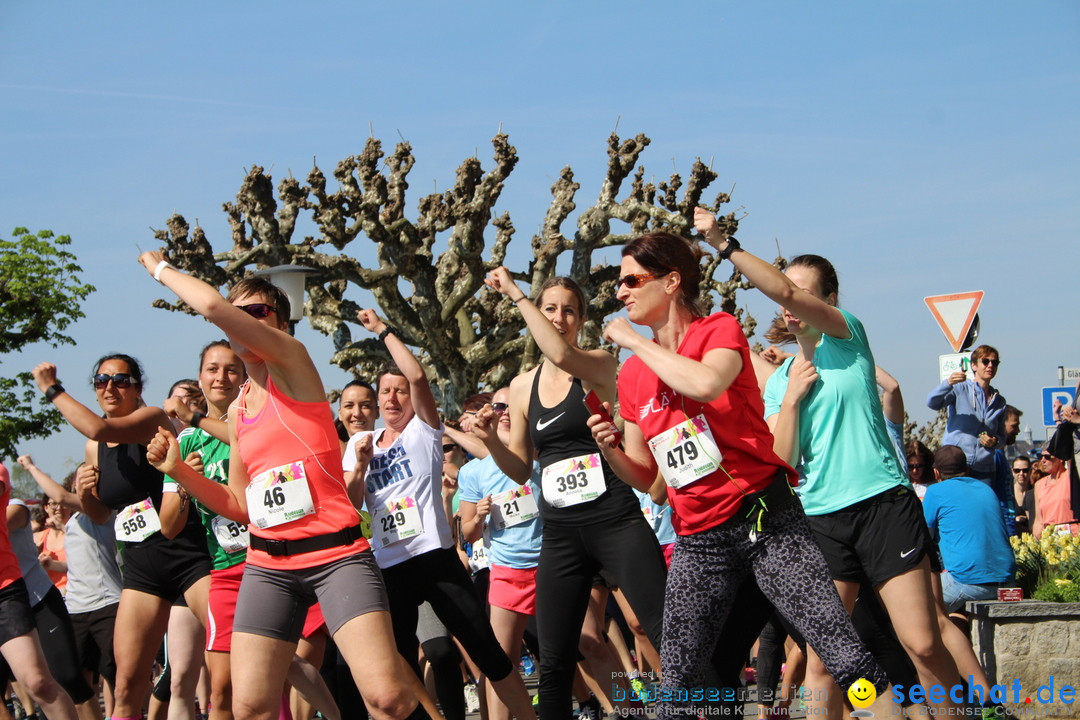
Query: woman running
507, 516
823, 408
402, 481
20, 646
285, 482
162, 544
592, 520
690, 402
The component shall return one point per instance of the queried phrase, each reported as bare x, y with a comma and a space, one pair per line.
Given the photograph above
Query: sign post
955, 314
1064, 395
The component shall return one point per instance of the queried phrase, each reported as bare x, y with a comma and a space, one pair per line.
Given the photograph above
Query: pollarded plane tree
468, 336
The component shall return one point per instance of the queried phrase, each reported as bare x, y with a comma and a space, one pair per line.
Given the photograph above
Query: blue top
846, 452
965, 518
516, 546
659, 517
971, 413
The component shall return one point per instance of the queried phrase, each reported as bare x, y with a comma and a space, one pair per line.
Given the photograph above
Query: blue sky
925, 148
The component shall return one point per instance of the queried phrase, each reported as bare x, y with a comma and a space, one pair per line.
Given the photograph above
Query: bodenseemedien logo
862, 695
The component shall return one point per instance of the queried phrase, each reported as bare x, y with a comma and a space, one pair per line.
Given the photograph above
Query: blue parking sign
1065, 395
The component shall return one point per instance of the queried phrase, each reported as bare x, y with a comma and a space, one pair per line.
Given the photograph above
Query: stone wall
1030, 641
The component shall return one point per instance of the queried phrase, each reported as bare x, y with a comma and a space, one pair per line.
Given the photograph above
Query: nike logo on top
905, 554
540, 425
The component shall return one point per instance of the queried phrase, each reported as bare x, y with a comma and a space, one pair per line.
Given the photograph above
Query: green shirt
215, 457
846, 453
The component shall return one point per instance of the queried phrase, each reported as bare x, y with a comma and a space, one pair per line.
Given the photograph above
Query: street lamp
291, 279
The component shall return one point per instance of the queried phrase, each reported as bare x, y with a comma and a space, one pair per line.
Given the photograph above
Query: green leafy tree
40, 296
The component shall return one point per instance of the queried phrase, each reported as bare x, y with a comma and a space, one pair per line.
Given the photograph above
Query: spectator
1053, 495
1023, 494
920, 463
964, 517
976, 422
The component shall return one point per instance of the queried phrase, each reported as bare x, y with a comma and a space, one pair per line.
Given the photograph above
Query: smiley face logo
862, 693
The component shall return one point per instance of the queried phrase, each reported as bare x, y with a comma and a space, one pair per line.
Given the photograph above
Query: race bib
279, 495
396, 520
478, 558
513, 507
137, 522
686, 452
231, 535
573, 481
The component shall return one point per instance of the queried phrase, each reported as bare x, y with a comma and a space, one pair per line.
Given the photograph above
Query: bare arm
138, 427
86, 483
177, 408
516, 459
286, 358
785, 424
777, 287
892, 402
472, 444
703, 380
173, 513
633, 462
164, 454
596, 368
50, 487
423, 400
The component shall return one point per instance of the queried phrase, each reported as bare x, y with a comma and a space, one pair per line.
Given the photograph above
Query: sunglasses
500, 407
635, 280
449, 448
989, 361
915, 466
1046, 457
257, 310
120, 380
1017, 471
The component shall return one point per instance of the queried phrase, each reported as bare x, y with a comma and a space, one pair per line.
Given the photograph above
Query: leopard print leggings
777, 546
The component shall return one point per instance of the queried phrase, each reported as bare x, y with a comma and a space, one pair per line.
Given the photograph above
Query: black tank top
562, 432
128, 477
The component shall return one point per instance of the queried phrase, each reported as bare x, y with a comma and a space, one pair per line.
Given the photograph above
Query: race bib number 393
686, 452
573, 481
137, 522
279, 495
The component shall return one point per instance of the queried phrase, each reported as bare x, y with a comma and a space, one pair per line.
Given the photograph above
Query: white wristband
161, 266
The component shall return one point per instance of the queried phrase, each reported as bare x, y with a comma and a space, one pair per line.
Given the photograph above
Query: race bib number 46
573, 481
686, 453
279, 495
137, 522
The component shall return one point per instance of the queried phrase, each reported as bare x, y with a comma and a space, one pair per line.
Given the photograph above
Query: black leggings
569, 559
439, 577
57, 638
707, 569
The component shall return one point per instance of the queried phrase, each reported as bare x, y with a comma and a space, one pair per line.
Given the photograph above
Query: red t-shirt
9, 564
736, 420
284, 432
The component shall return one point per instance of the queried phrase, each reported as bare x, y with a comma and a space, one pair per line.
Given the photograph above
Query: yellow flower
1062, 582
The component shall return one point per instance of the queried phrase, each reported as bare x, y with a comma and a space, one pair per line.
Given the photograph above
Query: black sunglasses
500, 407
990, 361
120, 380
257, 310
915, 466
1017, 471
636, 280
449, 448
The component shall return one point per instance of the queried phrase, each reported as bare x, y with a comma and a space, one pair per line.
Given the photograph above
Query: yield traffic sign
955, 314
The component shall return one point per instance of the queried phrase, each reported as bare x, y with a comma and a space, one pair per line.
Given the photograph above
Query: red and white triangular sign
955, 313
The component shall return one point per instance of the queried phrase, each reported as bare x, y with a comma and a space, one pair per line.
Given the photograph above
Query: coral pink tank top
287, 440
9, 564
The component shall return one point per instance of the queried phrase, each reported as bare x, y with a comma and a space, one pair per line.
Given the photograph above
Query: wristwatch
732, 246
